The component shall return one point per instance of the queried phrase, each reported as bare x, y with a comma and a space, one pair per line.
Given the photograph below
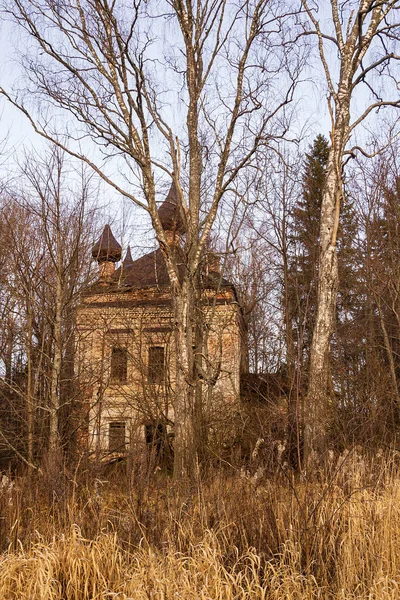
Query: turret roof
107, 249
169, 213
128, 260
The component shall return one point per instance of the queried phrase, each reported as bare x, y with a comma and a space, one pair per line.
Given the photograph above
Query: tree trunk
29, 385
293, 425
315, 419
200, 428
184, 446
318, 396
54, 437
390, 357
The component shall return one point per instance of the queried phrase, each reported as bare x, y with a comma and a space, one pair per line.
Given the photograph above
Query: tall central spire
171, 217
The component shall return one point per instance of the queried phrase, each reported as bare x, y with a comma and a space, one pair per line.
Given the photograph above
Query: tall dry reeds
231, 537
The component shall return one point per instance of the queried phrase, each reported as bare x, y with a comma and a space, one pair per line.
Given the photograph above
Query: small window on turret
119, 364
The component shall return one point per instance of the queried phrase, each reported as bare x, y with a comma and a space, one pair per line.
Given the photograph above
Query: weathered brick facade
126, 355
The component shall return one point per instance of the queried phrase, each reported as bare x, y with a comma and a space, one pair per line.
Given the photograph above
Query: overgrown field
231, 536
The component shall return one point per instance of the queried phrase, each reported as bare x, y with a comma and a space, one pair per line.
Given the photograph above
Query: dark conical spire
128, 260
107, 248
169, 212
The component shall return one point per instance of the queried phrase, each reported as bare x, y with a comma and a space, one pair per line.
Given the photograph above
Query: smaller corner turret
128, 260
107, 251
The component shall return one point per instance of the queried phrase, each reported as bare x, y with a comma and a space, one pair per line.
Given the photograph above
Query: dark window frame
117, 436
156, 365
119, 364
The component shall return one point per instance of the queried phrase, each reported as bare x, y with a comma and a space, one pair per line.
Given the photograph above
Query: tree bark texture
185, 389
317, 402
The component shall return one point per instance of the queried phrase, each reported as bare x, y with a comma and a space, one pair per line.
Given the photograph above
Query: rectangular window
156, 365
119, 364
116, 436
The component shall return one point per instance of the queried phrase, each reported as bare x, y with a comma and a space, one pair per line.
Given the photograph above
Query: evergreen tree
384, 288
300, 297
304, 264
303, 281
305, 236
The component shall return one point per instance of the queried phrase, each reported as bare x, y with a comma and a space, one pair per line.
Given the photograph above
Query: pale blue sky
311, 118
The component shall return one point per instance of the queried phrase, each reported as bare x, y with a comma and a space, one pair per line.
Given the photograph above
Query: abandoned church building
126, 344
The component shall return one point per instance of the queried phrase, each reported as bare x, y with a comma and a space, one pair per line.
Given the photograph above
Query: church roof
107, 248
150, 271
128, 260
147, 271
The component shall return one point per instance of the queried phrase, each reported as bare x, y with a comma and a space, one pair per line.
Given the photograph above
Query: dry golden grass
228, 539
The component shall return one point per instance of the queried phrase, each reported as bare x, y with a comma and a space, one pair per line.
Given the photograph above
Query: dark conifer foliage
305, 235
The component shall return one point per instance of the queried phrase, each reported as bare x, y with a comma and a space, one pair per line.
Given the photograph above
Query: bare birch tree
103, 63
359, 44
64, 223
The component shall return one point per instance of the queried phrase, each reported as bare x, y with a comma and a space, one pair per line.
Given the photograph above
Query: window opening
156, 365
119, 364
117, 436
155, 438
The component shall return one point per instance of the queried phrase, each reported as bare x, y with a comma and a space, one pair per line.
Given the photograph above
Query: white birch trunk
317, 402
354, 33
